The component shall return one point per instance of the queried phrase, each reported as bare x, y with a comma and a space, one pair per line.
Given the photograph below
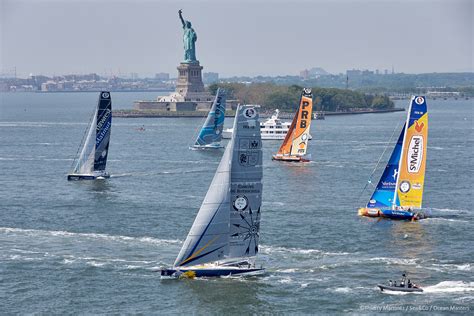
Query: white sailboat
224, 237
92, 159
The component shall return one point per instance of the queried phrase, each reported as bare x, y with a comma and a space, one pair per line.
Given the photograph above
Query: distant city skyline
235, 38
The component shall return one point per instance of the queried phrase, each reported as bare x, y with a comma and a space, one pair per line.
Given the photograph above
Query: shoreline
188, 114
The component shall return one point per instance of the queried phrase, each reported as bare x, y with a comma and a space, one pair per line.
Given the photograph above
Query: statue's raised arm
181, 17
189, 39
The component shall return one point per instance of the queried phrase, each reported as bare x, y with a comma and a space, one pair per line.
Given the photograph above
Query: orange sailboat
296, 141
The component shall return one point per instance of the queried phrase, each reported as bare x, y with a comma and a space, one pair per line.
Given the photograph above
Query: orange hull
370, 212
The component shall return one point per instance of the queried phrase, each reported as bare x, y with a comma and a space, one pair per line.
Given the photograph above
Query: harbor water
95, 247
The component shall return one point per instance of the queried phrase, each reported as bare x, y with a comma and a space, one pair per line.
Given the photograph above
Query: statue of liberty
189, 39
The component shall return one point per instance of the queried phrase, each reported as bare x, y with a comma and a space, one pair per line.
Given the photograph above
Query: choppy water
94, 247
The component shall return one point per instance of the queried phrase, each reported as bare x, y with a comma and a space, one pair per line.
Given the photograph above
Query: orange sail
296, 141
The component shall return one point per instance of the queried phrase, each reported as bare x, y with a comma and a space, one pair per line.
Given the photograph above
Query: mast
412, 165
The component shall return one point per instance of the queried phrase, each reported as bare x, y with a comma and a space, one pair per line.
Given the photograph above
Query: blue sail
211, 132
385, 190
102, 136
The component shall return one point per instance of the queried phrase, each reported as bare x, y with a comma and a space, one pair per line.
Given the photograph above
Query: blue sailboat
399, 193
224, 237
210, 135
92, 158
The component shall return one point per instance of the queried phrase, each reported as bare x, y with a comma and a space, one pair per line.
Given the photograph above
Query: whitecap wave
277, 249
448, 210
46, 233
400, 261
441, 219
287, 270
450, 267
342, 290
450, 287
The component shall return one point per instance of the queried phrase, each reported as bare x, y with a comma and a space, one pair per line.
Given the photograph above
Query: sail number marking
304, 115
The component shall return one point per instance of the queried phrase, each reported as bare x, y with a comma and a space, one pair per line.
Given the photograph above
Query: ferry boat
272, 129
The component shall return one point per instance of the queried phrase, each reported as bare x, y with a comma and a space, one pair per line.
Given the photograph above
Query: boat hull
290, 158
78, 177
206, 147
391, 214
210, 272
399, 288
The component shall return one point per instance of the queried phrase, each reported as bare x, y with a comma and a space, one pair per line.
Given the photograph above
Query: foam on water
65, 234
450, 287
275, 249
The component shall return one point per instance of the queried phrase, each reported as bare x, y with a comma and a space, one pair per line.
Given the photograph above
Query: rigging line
369, 181
86, 132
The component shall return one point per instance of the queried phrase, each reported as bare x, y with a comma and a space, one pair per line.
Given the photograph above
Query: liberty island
190, 94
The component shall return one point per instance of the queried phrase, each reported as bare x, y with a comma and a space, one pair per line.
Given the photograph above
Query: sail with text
224, 237
383, 194
92, 159
211, 132
412, 165
399, 193
296, 141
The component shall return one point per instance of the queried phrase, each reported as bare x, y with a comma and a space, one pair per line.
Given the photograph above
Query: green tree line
271, 96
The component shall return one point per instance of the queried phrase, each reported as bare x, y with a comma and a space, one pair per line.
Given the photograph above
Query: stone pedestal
190, 94
190, 79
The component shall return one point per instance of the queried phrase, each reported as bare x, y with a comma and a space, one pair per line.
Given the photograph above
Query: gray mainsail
228, 222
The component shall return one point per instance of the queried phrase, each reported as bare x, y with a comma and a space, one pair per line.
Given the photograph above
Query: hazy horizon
243, 38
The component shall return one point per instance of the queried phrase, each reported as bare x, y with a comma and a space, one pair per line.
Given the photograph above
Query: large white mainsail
228, 222
85, 162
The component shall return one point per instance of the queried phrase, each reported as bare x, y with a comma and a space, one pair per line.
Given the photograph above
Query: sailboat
92, 159
296, 141
224, 237
399, 193
210, 135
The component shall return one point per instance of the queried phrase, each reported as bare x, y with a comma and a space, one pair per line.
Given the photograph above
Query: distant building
317, 71
210, 77
312, 73
385, 71
304, 74
354, 73
49, 86
163, 76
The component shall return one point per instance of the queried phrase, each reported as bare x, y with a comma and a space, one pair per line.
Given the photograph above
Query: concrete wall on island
180, 106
